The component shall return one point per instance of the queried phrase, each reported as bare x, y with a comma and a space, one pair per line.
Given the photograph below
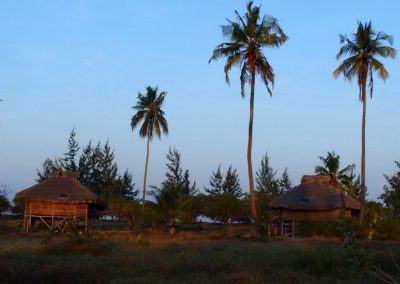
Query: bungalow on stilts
58, 202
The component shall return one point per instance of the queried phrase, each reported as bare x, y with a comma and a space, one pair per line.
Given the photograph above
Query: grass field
189, 257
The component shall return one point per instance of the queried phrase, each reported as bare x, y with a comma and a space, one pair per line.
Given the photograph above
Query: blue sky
67, 64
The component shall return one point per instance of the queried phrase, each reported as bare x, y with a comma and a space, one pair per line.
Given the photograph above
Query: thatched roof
315, 195
60, 187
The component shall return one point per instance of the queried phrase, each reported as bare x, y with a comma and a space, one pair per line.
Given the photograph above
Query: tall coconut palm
362, 51
149, 112
246, 39
331, 167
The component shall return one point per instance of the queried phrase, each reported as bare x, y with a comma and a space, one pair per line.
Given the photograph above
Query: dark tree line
97, 167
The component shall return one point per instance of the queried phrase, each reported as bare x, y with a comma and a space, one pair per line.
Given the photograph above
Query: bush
224, 208
74, 241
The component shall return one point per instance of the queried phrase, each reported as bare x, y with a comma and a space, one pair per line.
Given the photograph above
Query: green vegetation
345, 179
331, 167
97, 169
246, 39
363, 50
391, 195
171, 246
267, 182
225, 184
213, 258
4, 202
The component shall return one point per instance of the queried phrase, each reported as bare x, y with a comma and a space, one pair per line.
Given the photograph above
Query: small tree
331, 167
127, 186
216, 182
265, 178
353, 186
70, 156
4, 202
47, 168
176, 176
173, 199
391, 194
231, 183
228, 185
97, 169
224, 208
285, 183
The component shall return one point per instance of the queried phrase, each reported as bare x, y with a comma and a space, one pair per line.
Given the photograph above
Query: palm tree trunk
249, 148
363, 188
145, 177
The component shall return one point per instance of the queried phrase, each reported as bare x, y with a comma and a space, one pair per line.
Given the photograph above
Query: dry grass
215, 256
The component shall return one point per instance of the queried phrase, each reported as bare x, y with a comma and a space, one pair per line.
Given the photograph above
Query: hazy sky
66, 64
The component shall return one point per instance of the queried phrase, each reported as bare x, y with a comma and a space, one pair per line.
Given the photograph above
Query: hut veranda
59, 201
314, 200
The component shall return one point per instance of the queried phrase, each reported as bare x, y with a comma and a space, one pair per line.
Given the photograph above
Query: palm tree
330, 167
149, 111
362, 50
245, 40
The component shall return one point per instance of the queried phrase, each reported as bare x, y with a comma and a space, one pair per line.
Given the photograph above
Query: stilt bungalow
59, 201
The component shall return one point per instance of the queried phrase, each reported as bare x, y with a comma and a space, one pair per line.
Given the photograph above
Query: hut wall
320, 216
48, 208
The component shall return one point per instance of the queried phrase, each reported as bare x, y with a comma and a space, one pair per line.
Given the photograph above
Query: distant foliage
224, 207
391, 194
353, 188
345, 179
173, 200
265, 178
97, 167
228, 184
285, 183
177, 177
268, 183
4, 201
70, 156
331, 167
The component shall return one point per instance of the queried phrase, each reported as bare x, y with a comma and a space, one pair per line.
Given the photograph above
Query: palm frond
386, 51
378, 67
149, 112
244, 78
247, 36
232, 60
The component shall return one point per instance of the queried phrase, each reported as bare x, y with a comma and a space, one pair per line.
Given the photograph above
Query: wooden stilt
86, 220
292, 225
30, 217
24, 220
52, 218
281, 223
45, 223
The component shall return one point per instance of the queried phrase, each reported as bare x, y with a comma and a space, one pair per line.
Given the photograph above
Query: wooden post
52, 218
281, 222
30, 216
24, 222
86, 225
76, 211
292, 225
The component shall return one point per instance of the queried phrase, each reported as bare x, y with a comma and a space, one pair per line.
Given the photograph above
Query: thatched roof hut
315, 200
315, 197
61, 196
